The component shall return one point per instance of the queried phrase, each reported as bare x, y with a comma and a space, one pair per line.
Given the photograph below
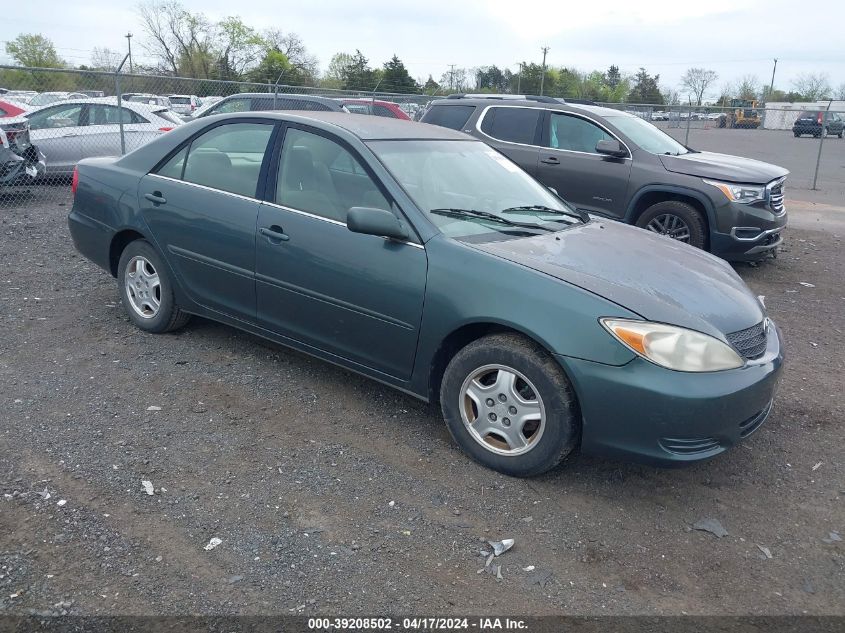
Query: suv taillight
74, 181
819, 118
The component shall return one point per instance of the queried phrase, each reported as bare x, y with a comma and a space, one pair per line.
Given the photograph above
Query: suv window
233, 105
574, 133
227, 157
454, 117
514, 125
319, 176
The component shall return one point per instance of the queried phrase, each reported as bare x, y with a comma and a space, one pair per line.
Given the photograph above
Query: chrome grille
775, 189
750, 342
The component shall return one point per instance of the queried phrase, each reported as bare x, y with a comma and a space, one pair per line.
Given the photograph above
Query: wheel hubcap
143, 288
670, 225
502, 410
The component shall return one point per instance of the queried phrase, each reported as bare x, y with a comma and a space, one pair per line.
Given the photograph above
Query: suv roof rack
506, 97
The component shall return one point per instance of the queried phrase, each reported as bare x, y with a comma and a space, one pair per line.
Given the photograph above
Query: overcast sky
732, 37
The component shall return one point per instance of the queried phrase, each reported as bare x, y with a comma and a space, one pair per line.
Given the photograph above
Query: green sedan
424, 259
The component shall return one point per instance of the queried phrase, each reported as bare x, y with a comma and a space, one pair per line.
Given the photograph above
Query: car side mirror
370, 221
611, 147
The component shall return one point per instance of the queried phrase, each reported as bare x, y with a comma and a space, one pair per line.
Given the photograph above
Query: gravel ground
331, 493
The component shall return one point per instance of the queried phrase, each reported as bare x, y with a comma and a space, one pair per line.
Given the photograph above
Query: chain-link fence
806, 139
52, 118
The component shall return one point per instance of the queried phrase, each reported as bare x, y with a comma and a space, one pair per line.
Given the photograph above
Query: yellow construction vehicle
743, 114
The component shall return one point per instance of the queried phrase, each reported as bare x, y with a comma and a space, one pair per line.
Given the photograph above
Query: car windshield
646, 135
46, 97
458, 183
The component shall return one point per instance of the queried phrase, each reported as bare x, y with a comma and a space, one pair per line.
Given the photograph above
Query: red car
10, 109
375, 107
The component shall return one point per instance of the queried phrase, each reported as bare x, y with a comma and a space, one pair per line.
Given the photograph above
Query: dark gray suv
617, 165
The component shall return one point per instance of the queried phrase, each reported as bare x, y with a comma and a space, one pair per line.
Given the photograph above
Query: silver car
185, 105
82, 128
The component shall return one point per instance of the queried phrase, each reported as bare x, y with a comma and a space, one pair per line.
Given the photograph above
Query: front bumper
646, 413
755, 233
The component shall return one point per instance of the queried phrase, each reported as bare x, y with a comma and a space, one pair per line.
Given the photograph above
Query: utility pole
451, 76
519, 80
772, 85
128, 37
545, 50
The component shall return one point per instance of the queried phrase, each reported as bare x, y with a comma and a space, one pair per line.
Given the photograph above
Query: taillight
74, 181
164, 129
819, 118
193, 107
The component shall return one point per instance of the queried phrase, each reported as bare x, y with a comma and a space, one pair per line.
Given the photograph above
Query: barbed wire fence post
119, 96
825, 116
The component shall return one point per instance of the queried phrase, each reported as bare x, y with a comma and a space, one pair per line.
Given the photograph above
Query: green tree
431, 87
240, 48
613, 77
395, 77
32, 49
333, 77
645, 89
274, 66
358, 75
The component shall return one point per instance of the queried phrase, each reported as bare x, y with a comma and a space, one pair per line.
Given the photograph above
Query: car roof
528, 103
366, 128
129, 105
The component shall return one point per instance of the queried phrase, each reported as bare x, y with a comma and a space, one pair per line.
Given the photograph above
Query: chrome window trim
481, 118
329, 220
207, 188
759, 235
272, 204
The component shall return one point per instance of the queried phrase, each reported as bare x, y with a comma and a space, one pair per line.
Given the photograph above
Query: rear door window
227, 157
453, 117
514, 125
380, 110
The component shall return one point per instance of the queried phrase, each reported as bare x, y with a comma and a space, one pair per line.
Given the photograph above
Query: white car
45, 98
207, 102
69, 131
185, 105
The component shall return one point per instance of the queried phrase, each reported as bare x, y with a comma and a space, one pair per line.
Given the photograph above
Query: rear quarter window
514, 125
453, 117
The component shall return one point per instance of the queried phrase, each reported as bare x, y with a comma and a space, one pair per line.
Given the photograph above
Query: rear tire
677, 220
146, 290
532, 423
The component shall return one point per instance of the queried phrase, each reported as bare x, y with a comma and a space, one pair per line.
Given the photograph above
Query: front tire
509, 406
679, 220
146, 290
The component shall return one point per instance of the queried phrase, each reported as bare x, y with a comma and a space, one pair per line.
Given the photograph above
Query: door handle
550, 160
275, 233
155, 197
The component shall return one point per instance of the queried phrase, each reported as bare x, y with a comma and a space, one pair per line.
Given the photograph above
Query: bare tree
840, 92
670, 96
696, 81
813, 86
305, 66
182, 41
748, 87
105, 59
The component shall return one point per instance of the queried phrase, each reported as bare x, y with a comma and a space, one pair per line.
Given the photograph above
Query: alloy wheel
502, 410
670, 225
143, 287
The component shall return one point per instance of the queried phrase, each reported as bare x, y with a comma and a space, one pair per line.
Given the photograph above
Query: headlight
744, 194
673, 347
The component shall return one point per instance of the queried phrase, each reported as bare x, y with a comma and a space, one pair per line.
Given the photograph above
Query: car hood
723, 167
656, 277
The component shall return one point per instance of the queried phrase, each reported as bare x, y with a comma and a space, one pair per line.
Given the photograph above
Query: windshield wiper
484, 215
545, 209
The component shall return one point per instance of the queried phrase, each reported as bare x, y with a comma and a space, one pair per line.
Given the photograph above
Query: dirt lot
331, 493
